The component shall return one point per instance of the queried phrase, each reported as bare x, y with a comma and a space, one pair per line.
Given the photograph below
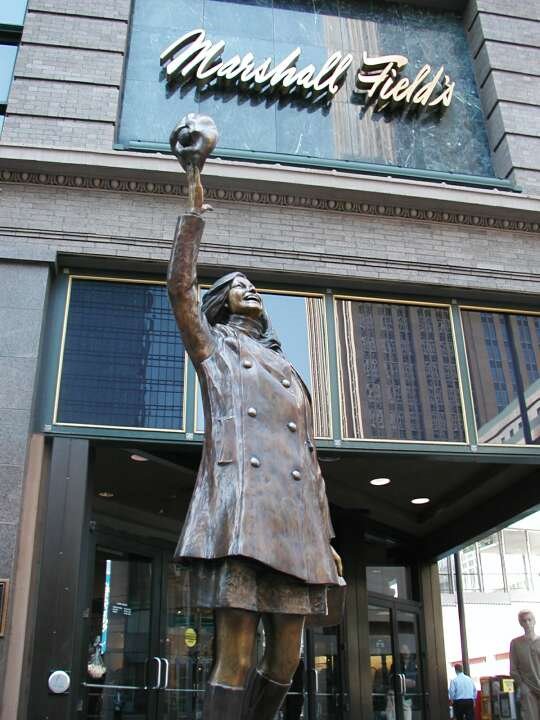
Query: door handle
403, 683
166, 680
158, 680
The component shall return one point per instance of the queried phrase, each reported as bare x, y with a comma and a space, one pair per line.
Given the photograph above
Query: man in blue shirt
462, 694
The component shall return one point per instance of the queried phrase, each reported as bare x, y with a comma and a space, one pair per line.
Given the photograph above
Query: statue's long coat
259, 491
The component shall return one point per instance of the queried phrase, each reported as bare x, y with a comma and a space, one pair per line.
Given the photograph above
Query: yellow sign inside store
190, 637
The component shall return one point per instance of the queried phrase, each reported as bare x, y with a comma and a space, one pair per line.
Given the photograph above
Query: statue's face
527, 622
243, 299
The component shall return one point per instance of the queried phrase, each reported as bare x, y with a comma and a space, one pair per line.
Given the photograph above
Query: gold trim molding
387, 210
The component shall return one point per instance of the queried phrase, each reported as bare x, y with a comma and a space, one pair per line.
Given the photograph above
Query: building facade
378, 177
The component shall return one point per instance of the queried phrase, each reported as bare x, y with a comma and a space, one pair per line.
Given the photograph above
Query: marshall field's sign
193, 57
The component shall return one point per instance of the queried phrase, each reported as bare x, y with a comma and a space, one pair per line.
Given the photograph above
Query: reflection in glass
381, 654
470, 569
119, 637
325, 643
503, 352
8, 54
388, 580
409, 659
12, 12
399, 377
446, 575
515, 559
489, 551
533, 537
188, 647
123, 362
299, 322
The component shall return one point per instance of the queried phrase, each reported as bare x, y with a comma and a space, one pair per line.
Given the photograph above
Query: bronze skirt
237, 582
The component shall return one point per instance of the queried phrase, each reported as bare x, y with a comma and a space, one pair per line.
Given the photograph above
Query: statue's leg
235, 637
270, 682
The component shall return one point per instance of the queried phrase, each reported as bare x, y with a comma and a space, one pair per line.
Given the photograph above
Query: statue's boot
263, 697
223, 702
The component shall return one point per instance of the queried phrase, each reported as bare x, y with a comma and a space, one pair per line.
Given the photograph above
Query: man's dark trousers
463, 709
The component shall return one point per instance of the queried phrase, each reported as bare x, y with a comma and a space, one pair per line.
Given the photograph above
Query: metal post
461, 614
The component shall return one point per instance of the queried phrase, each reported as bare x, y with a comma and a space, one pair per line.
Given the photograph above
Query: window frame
503, 311
10, 34
58, 384
396, 301
199, 434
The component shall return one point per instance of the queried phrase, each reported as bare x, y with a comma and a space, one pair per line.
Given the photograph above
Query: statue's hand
192, 141
338, 561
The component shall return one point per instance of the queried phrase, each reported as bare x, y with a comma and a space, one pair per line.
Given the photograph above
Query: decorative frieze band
269, 198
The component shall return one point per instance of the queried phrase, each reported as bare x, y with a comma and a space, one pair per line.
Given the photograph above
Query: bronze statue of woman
256, 539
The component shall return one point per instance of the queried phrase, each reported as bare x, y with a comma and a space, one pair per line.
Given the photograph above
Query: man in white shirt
462, 694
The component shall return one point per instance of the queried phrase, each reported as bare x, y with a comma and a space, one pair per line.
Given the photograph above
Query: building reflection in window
398, 372
503, 352
300, 324
123, 360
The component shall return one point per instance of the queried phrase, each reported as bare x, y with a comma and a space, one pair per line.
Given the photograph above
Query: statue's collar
248, 325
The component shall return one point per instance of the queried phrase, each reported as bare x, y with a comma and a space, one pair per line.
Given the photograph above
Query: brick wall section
296, 244
23, 290
67, 77
504, 43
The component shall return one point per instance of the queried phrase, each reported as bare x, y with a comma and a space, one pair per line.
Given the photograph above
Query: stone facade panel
53, 132
57, 63
117, 10
63, 100
72, 31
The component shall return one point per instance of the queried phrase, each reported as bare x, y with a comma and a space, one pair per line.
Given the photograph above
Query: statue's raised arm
192, 140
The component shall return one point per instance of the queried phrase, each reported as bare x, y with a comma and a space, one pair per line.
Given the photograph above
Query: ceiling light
420, 501
138, 458
379, 482
106, 494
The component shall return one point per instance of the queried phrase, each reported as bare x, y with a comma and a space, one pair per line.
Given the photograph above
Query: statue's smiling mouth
252, 297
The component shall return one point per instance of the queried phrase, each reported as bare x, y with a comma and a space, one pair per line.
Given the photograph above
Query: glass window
12, 12
515, 559
489, 551
399, 377
446, 575
300, 325
389, 580
469, 569
8, 53
503, 353
533, 537
123, 361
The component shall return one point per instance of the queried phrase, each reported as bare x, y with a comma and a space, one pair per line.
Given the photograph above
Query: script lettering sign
193, 57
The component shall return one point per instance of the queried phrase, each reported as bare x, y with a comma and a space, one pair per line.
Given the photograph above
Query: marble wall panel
344, 129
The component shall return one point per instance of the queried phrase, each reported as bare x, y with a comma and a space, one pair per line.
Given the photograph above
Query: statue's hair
214, 306
522, 613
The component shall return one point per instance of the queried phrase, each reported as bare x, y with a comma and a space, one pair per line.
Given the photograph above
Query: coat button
292, 426
247, 363
252, 412
296, 474
255, 461
286, 383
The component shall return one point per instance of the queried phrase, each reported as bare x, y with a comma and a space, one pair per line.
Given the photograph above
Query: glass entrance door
149, 655
186, 649
395, 661
120, 664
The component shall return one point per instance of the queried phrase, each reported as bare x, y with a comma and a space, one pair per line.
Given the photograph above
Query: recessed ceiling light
420, 501
106, 494
138, 458
380, 481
